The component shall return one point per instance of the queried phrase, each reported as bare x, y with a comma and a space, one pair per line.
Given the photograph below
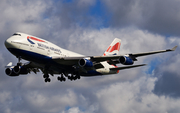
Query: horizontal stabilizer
127, 67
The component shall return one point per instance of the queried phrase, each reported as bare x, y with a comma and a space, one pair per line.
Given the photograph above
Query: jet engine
10, 72
126, 60
20, 70
16, 70
85, 63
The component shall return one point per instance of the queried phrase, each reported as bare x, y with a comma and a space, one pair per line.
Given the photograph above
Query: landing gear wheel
78, 77
75, 78
47, 80
61, 78
45, 76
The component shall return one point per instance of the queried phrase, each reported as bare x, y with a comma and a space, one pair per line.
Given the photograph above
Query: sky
88, 27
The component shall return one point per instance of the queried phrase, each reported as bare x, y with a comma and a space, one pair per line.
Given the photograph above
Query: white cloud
135, 97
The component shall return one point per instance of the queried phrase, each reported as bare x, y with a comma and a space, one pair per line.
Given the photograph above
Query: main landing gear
47, 79
71, 77
62, 78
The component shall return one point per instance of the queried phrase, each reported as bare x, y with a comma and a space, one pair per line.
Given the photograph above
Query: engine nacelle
85, 63
17, 69
126, 60
20, 70
10, 72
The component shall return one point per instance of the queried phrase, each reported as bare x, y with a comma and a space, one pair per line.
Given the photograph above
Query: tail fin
113, 49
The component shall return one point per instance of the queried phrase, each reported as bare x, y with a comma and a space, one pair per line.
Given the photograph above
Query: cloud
158, 16
168, 75
134, 96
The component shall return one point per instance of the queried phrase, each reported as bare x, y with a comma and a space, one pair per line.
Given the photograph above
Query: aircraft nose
7, 43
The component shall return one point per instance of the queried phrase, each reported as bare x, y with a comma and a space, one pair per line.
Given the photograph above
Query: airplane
52, 59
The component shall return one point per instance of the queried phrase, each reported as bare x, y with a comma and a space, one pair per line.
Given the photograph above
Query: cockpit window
16, 34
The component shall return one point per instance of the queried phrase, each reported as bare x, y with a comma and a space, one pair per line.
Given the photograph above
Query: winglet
174, 48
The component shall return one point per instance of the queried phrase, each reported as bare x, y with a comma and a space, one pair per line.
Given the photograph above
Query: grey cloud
168, 77
158, 16
168, 85
72, 13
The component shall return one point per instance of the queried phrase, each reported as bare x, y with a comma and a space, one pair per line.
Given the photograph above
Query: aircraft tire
78, 77
45, 76
75, 78
58, 78
45, 80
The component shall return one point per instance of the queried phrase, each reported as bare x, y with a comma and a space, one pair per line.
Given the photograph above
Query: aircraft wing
74, 60
133, 56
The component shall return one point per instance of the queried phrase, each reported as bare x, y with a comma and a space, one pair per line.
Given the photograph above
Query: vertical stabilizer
114, 48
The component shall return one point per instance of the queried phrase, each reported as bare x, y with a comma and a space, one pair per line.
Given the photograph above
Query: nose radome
7, 43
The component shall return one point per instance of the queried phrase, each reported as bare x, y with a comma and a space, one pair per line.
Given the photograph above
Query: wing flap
127, 67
